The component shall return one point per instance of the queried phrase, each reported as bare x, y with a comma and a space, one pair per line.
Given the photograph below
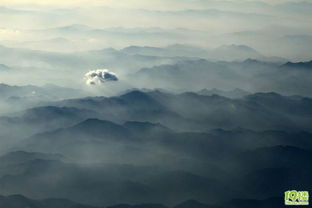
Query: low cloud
100, 76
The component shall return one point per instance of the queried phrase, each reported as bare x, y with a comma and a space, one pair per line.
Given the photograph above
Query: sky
114, 1
137, 3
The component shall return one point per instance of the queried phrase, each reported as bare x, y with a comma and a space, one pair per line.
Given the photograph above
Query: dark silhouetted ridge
194, 204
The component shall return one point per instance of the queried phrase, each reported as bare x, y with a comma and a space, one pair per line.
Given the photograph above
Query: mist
160, 104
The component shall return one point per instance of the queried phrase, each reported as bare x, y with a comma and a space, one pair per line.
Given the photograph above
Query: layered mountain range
154, 146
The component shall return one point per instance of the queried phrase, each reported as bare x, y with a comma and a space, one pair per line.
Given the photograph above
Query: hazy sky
129, 1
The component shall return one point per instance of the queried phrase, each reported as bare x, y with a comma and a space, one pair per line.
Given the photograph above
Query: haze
154, 103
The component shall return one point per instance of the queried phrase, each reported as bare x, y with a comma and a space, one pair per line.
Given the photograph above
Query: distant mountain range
35, 92
299, 65
225, 52
18, 98
236, 93
22, 169
133, 53
250, 74
161, 107
160, 147
156, 146
172, 67
155, 104
19, 201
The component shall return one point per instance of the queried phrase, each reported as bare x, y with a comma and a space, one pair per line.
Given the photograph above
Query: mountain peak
237, 47
99, 128
141, 100
95, 121
134, 94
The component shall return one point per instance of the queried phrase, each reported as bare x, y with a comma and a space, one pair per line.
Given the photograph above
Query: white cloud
100, 76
